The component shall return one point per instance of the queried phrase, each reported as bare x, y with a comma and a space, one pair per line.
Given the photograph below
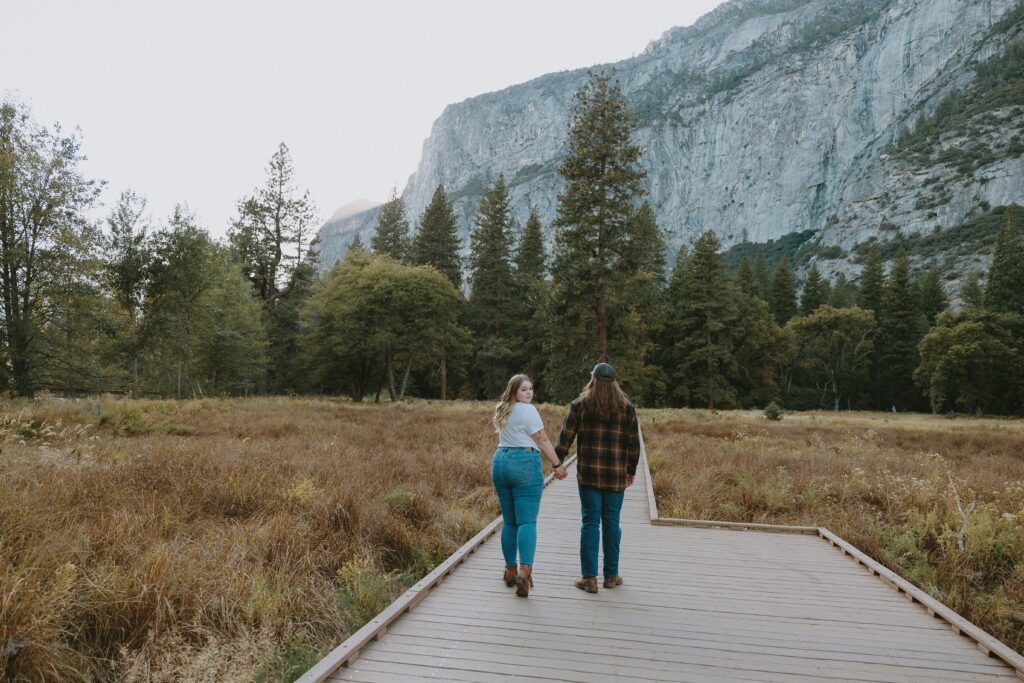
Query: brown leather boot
612, 581
524, 582
587, 583
510, 575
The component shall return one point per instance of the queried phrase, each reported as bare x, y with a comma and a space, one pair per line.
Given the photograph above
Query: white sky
185, 101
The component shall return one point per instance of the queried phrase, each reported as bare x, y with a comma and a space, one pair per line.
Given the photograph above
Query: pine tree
843, 292
272, 231
701, 321
636, 308
532, 286
437, 242
871, 282
595, 213
392, 235
745, 278
531, 260
931, 295
356, 243
494, 304
870, 297
972, 294
899, 333
1005, 290
816, 291
665, 354
761, 279
782, 299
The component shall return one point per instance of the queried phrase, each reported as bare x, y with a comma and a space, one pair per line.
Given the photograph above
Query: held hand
560, 472
629, 480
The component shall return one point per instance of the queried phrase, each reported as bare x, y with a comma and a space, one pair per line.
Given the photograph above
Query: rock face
764, 118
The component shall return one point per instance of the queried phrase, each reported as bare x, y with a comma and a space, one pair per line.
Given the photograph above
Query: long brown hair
604, 397
503, 410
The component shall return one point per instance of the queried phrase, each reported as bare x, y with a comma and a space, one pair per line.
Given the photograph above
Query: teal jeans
518, 481
601, 511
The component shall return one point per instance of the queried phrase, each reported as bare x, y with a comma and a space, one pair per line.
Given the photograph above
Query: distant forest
162, 309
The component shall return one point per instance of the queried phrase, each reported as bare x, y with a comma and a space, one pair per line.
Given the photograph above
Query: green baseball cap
603, 371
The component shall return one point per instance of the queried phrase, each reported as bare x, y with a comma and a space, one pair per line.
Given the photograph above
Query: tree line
164, 310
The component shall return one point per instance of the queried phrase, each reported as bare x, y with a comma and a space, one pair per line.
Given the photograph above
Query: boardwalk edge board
348, 651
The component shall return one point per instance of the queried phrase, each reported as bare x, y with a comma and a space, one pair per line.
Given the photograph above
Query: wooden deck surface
697, 605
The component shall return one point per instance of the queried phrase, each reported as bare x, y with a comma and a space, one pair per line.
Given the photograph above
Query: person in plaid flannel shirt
604, 424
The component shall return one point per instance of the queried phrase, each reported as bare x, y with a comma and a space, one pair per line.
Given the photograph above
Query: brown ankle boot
510, 575
612, 581
587, 583
524, 582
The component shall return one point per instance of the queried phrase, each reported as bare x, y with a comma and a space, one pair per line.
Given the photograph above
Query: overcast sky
185, 101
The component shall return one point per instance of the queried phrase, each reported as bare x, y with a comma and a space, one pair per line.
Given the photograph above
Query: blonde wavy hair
503, 410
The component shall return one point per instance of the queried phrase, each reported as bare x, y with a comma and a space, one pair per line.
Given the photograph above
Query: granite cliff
766, 118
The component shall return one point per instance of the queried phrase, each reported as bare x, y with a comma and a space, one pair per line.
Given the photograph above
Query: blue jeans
601, 511
518, 480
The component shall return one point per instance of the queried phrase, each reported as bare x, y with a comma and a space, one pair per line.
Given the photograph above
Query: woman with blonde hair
518, 479
604, 424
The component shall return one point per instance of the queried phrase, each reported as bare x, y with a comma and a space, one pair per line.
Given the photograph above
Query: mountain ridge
763, 118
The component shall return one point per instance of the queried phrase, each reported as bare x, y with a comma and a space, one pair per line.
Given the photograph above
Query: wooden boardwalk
698, 604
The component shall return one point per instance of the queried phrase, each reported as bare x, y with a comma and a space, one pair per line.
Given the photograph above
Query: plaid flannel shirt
608, 451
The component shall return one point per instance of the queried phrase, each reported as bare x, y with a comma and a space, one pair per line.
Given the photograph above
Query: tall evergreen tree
745, 278
931, 295
595, 214
1005, 290
759, 350
356, 243
843, 292
702, 323
437, 242
816, 291
286, 373
531, 283
666, 356
637, 308
271, 234
900, 330
531, 259
872, 279
870, 297
392, 235
762, 278
494, 306
782, 299
972, 294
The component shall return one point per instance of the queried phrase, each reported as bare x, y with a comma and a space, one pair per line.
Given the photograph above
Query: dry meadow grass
240, 540
881, 481
222, 540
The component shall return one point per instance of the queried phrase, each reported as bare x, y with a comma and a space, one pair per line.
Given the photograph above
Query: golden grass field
243, 539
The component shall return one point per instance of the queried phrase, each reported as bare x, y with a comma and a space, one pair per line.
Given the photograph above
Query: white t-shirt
523, 421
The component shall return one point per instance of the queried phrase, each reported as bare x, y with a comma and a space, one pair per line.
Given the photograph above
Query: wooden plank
990, 645
642, 639
599, 649
934, 642
507, 659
